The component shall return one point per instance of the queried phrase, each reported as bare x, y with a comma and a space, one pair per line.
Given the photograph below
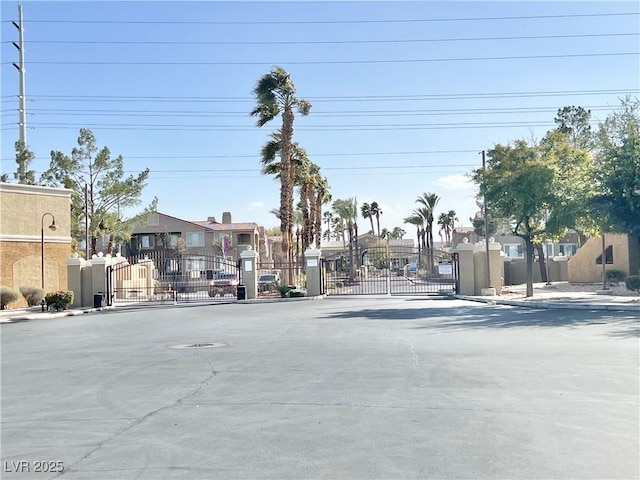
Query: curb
275, 300
550, 305
52, 315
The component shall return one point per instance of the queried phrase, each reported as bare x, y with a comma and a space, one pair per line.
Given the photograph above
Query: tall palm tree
365, 211
323, 197
429, 202
327, 218
452, 216
416, 220
347, 210
444, 221
275, 95
376, 211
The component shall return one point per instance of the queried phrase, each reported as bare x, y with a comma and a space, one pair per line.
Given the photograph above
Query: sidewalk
36, 313
563, 295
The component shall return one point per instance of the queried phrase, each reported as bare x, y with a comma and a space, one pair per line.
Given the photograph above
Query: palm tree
397, 233
429, 202
452, 216
376, 211
365, 210
417, 220
323, 197
347, 210
445, 226
275, 95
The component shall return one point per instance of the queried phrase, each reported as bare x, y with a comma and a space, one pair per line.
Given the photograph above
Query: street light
53, 226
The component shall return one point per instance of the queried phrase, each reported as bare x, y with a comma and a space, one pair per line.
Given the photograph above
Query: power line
256, 155
335, 22
326, 42
328, 127
337, 62
344, 98
341, 114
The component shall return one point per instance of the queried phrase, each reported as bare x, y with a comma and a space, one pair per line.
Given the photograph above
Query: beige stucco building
24, 209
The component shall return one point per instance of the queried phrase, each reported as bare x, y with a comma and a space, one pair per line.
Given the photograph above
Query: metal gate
380, 270
170, 277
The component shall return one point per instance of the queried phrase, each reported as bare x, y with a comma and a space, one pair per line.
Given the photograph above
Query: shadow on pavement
458, 318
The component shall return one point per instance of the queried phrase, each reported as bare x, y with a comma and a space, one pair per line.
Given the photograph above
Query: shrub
283, 290
297, 293
33, 295
59, 300
633, 283
8, 295
615, 275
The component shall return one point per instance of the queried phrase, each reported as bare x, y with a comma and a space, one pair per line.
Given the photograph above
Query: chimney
211, 219
226, 218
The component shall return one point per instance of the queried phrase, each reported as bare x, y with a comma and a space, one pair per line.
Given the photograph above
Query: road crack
142, 419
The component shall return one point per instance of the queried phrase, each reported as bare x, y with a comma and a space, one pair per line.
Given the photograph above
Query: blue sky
404, 94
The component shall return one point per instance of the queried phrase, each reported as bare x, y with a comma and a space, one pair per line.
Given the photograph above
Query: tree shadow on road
485, 316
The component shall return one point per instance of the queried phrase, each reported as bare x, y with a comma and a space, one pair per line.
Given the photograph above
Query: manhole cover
200, 345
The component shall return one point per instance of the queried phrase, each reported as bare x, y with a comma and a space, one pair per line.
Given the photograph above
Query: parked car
268, 282
224, 283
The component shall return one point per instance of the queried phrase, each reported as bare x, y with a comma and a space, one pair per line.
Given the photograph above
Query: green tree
24, 157
524, 183
275, 95
109, 191
575, 122
617, 155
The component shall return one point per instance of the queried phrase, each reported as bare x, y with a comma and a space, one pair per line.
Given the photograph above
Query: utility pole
486, 226
21, 68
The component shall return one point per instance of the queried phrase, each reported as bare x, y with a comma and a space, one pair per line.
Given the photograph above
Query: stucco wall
582, 266
21, 211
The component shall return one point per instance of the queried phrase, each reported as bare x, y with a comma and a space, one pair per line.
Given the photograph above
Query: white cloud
455, 182
255, 206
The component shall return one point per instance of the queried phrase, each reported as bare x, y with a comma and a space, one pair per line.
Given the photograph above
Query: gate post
74, 278
249, 272
467, 272
314, 275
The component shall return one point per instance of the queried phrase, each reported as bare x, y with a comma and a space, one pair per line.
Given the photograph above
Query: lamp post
53, 226
546, 257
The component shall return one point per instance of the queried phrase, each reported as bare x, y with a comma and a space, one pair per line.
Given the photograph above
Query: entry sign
445, 267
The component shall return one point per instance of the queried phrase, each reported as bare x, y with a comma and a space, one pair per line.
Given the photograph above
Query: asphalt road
344, 388
394, 285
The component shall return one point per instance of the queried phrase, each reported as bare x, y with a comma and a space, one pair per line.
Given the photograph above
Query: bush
294, 293
633, 283
59, 300
8, 295
283, 290
616, 275
33, 295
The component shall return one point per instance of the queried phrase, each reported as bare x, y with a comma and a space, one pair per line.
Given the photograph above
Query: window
513, 250
195, 264
549, 250
608, 256
568, 249
244, 239
171, 240
146, 241
195, 239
